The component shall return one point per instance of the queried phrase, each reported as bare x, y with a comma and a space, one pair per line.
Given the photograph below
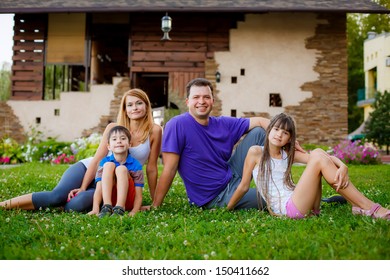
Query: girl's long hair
147, 121
264, 178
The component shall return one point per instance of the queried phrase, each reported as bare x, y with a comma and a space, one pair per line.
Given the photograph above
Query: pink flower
355, 152
5, 160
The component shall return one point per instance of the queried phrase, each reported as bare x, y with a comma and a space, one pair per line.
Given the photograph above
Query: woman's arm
151, 167
251, 160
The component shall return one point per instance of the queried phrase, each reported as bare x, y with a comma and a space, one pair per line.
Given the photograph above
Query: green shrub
47, 150
86, 146
35, 149
378, 124
5, 83
10, 152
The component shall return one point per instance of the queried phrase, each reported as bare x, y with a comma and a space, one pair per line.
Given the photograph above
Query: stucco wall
77, 111
271, 50
301, 56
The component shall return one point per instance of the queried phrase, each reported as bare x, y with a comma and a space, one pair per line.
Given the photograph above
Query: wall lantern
217, 76
166, 26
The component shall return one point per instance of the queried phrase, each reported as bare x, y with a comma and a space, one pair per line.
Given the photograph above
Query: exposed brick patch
120, 89
323, 118
10, 124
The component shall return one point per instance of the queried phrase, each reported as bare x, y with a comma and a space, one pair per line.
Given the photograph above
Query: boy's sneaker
106, 211
118, 211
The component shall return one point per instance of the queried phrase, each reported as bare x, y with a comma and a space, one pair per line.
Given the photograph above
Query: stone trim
10, 124
323, 118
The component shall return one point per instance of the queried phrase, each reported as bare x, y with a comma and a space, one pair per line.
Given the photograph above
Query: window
63, 78
66, 38
275, 100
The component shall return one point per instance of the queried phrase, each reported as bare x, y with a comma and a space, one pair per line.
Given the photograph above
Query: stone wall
323, 118
120, 89
10, 125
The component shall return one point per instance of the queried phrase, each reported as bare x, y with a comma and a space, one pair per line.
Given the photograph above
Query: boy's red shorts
130, 196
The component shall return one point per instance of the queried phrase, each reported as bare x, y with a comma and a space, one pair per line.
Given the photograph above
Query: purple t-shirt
204, 152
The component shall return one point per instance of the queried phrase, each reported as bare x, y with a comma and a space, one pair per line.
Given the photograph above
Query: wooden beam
28, 47
29, 76
32, 67
166, 69
29, 37
169, 46
26, 96
28, 56
168, 56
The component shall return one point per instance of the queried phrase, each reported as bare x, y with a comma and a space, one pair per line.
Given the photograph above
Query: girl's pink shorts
292, 211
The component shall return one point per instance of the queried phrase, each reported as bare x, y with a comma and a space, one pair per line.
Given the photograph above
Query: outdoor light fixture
217, 76
166, 26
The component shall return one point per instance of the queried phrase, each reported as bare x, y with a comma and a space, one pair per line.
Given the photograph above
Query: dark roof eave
186, 9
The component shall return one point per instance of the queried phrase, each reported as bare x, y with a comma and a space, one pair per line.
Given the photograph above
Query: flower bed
356, 152
48, 151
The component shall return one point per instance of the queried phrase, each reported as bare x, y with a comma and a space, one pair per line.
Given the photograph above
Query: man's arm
171, 162
258, 121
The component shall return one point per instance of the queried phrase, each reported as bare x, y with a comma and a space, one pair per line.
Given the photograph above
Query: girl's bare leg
122, 185
20, 202
321, 164
108, 182
307, 193
317, 200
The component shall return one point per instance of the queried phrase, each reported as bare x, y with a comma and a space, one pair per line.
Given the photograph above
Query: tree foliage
5, 82
378, 125
358, 26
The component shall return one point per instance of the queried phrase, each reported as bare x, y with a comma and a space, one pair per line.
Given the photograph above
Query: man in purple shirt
199, 147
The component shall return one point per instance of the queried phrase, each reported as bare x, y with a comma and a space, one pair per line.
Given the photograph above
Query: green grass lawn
179, 231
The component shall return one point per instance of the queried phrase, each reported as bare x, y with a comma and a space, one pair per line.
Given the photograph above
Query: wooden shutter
66, 39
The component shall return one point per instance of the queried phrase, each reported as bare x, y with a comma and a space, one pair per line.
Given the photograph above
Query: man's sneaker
106, 211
